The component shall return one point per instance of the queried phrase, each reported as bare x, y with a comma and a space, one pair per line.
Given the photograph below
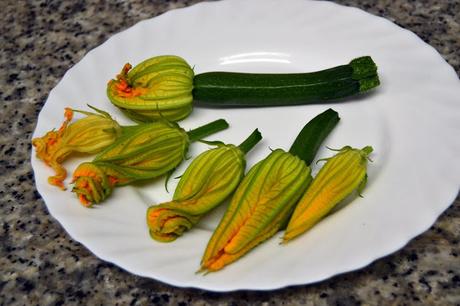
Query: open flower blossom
145, 151
89, 135
206, 183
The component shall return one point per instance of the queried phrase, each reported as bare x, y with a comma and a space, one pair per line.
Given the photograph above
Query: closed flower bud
142, 152
90, 135
259, 208
207, 182
92, 183
159, 87
337, 179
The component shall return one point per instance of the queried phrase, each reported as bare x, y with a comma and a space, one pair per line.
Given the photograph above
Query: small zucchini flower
89, 135
207, 182
159, 87
263, 202
338, 178
143, 152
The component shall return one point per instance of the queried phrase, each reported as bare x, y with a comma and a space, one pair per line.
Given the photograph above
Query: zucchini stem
365, 72
313, 134
251, 141
207, 129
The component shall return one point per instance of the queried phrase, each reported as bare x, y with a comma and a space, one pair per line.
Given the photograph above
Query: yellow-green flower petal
159, 87
206, 183
338, 178
259, 208
89, 135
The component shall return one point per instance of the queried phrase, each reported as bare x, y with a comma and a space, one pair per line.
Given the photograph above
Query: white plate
412, 121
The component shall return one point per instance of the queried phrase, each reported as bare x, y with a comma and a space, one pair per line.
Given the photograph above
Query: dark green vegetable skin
313, 134
230, 89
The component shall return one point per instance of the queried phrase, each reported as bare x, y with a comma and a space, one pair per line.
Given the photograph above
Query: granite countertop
40, 264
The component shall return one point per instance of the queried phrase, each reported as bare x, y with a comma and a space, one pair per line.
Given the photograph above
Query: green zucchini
231, 89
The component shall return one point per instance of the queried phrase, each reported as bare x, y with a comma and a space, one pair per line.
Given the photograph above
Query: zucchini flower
143, 152
337, 179
264, 200
87, 135
208, 181
159, 87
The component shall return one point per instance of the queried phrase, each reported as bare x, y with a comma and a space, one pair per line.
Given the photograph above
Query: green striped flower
337, 179
259, 208
143, 152
88, 135
207, 182
159, 87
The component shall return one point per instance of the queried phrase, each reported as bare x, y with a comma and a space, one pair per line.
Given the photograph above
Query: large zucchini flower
159, 87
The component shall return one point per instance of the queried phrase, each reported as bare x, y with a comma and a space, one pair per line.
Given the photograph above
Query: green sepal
216, 143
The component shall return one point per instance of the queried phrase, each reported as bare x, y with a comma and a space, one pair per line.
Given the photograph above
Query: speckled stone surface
41, 265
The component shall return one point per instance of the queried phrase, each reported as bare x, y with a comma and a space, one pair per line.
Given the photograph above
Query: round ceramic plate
411, 120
